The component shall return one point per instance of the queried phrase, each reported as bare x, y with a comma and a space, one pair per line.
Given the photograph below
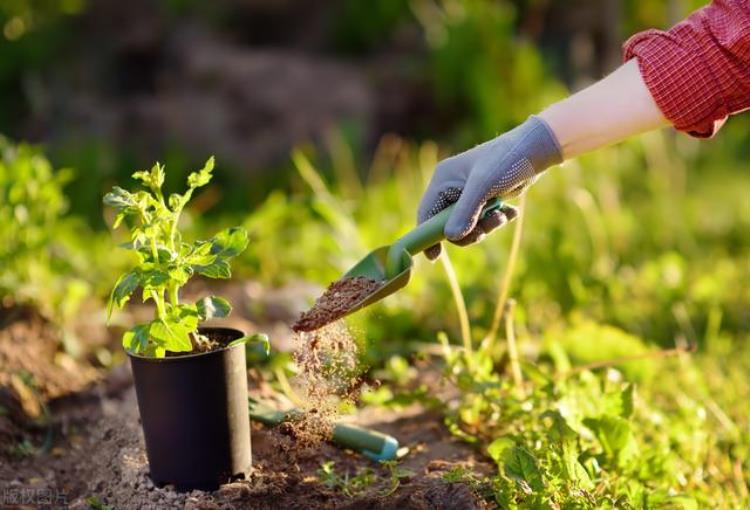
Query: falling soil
329, 375
336, 302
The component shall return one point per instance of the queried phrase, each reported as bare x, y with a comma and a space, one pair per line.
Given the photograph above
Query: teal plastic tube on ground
370, 443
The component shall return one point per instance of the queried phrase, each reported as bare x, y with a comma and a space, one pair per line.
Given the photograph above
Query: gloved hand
504, 167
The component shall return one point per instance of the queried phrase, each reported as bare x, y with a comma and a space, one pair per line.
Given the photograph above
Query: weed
95, 503
365, 479
351, 486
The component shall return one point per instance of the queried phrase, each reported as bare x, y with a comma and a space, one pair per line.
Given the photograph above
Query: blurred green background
371, 95
327, 121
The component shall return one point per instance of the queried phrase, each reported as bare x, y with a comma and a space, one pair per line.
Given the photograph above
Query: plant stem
174, 294
504, 287
510, 333
161, 310
154, 251
458, 298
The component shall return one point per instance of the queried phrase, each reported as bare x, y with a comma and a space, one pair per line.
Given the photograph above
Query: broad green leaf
520, 464
615, 436
567, 440
217, 269
618, 402
498, 447
124, 287
136, 339
186, 315
258, 347
170, 335
180, 275
200, 255
229, 242
153, 279
213, 307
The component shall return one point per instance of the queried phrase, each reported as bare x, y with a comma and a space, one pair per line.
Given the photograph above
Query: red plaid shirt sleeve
699, 71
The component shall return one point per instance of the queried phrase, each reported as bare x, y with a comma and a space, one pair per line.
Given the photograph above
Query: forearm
615, 108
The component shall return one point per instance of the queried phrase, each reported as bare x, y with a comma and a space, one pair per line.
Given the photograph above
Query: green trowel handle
371, 443
426, 234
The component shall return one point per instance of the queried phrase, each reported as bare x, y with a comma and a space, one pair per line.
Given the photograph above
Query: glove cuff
545, 149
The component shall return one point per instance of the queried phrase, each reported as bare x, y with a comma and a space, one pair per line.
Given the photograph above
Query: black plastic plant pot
194, 414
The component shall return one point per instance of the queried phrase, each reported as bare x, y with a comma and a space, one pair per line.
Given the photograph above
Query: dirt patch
33, 371
336, 302
98, 452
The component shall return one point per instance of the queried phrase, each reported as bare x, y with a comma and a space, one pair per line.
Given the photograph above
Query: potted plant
191, 381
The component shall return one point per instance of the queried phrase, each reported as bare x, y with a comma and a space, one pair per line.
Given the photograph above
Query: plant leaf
171, 335
120, 199
517, 462
213, 307
567, 440
153, 279
520, 464
615, 436
258, 347
217, 269
229, 242
186, 316
154, 179
124, 287
202, 176
136, 339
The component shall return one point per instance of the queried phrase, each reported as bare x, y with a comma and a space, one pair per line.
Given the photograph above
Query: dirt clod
335, 302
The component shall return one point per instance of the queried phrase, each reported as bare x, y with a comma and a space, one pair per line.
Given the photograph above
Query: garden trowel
391, 265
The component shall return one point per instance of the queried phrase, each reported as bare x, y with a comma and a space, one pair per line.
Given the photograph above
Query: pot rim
191, 355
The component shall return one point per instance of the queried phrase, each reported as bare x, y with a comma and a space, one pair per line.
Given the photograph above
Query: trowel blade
373, 267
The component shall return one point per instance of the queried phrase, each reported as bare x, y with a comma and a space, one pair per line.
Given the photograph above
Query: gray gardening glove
504, 167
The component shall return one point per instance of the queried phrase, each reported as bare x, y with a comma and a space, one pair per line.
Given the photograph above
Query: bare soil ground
86, 442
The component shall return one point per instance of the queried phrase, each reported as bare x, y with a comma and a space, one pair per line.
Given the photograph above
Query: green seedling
166, 262
350, 486
364, 479
95, 503
395, 475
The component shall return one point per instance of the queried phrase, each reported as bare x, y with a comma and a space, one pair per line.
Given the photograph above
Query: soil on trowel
336, 302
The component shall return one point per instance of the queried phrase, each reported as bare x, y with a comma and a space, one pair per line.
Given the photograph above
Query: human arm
608, 111
692, 76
